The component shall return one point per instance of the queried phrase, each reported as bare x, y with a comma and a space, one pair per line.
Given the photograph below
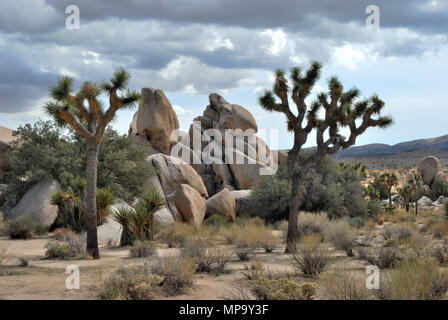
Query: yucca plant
123, 217
143, 218
104, 199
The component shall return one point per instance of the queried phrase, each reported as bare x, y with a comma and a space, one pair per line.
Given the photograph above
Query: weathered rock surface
440, 177
428, 168
440, 200
222, 204
189, 204
5, 139
36, 203
155, 120
243, 205
173, 171
242, 144
425, 201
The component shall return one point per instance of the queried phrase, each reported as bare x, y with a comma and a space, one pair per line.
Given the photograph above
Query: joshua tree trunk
92, 168
390, 197
406, 204
294, 203
416, 207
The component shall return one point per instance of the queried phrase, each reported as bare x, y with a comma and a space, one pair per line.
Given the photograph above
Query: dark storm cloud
196, 46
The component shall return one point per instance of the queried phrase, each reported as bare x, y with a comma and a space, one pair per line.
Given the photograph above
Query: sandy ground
45, 279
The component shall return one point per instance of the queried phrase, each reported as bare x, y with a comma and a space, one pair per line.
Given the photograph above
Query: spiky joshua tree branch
90, 121
339, 109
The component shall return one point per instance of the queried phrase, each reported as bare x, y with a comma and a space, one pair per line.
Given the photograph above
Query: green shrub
342, 236
327, 187
439, 188
216, 221
57, 250
357, 222
142, 249
43, 151
131, 283
284, 289
24, 227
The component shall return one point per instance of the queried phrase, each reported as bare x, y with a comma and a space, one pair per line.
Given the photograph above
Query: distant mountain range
414, 147
410, 152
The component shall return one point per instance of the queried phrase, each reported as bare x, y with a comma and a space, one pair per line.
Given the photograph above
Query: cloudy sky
192, 48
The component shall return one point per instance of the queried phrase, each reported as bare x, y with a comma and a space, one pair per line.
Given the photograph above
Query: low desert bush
254, 271
311, 257
357, 222
311, 223
284, 289
198, 250
176, 272
23, 262
269, 241
440, 254
4, 254
69, 245
245, 252
341, 235
344, 285
24, 227
417, 279
439, 229
142, 249
403, 234
216, 221
176, 234
131, 283
383, 258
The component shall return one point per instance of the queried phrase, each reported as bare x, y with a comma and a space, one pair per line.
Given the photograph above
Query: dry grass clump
142, 249
176, 234
345, 285
439, 229
205, 257
440, 253
283, 289
132, 283
255, 270
400, 216
382, 257
341, 235
403, 234
311, 223
4, 255
312, 257
177, 274
417, 279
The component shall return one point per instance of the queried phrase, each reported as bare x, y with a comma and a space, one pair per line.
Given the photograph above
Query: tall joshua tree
90, 121
340, 109
388, 180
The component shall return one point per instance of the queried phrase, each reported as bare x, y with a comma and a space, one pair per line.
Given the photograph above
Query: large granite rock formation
428, 168
36, 203
154, 121
232, 129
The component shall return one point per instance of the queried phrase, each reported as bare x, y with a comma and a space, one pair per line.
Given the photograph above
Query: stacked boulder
196, 189
154, 121
243, 160
431, 172
6, 138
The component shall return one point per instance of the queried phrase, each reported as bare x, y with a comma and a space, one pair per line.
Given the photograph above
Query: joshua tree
90, 122
388, 180
415, 182
405, 193
341, 109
